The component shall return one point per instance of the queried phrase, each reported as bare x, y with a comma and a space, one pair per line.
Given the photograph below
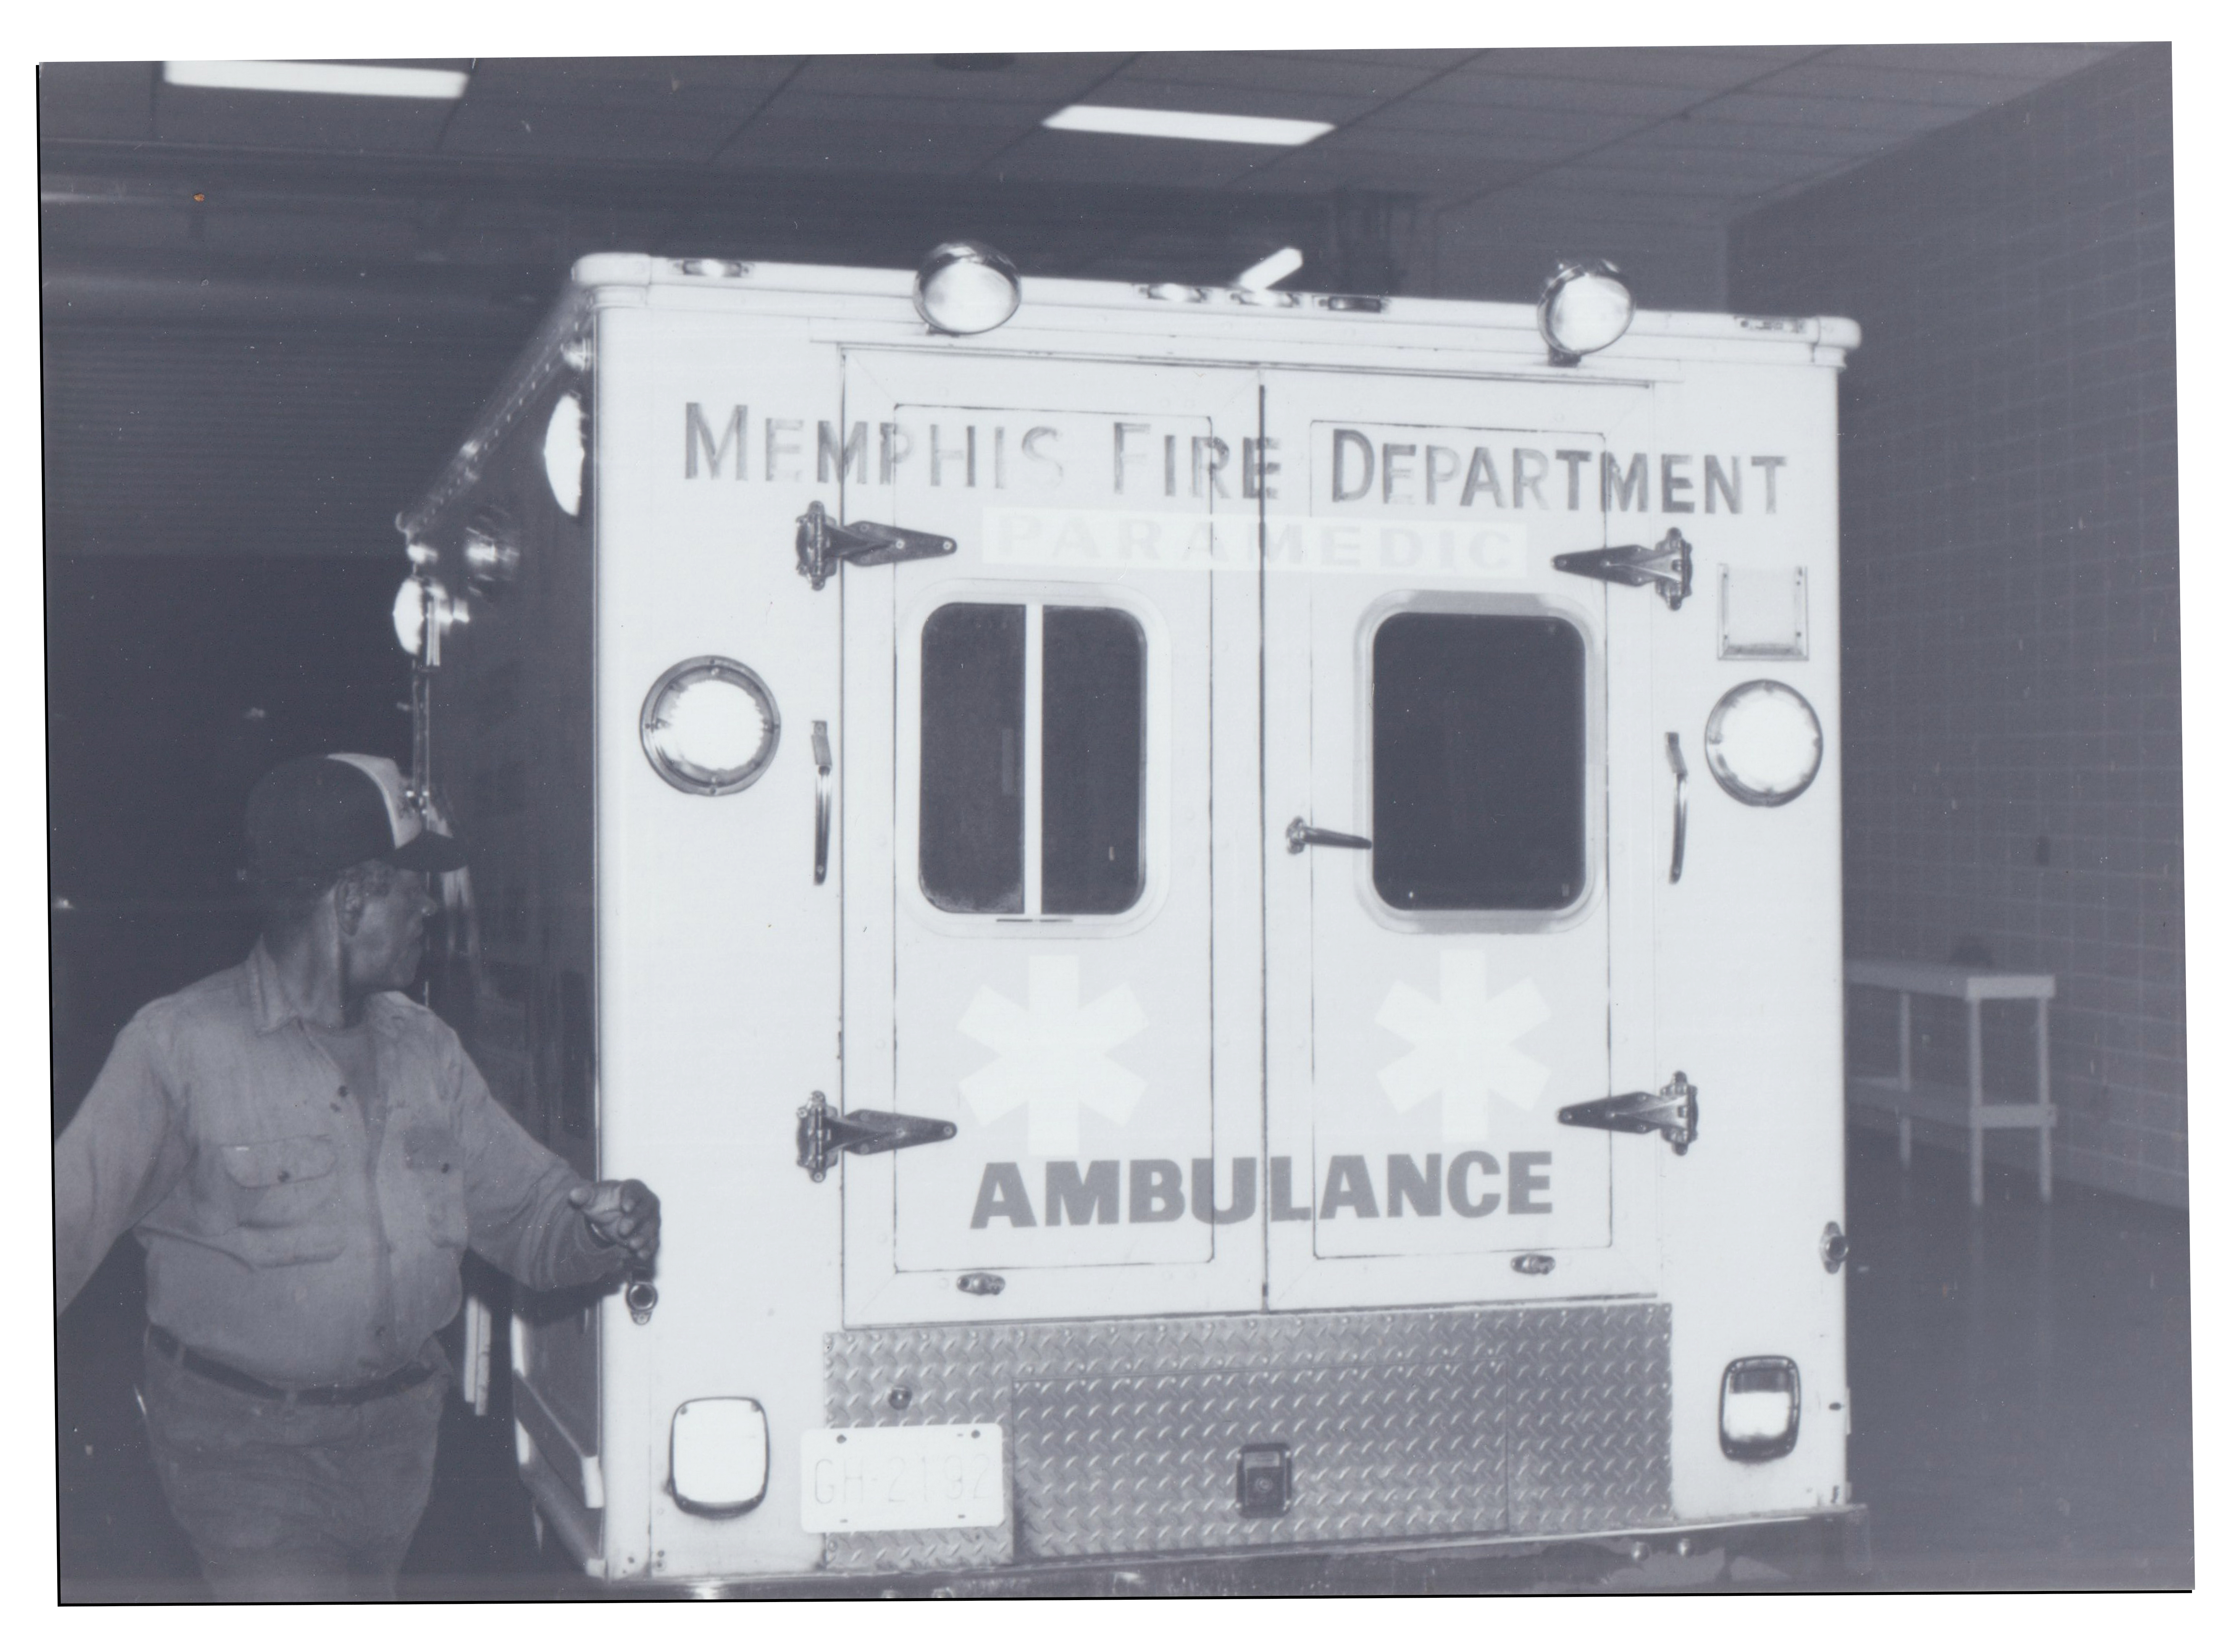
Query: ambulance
1214, 910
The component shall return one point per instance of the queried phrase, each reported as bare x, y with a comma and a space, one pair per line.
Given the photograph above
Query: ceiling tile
1707, 68
907, 147
1090, 158
97, 101
2035, 63
1837, 77
1560, 93
1427, 123
1896, 121
1306, 74
579, 131
296, 121
1050, 78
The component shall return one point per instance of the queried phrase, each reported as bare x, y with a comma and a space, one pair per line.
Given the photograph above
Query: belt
333, 1393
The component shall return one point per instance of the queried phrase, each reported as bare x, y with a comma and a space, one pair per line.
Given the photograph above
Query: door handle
822, 800
1683, 806
1303, 836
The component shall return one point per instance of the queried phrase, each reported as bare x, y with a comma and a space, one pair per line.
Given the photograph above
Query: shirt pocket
436, 1162
285, 1199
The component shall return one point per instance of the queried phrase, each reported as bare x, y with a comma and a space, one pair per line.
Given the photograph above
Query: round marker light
1764, 743
967, 287
709, 726
1583, 308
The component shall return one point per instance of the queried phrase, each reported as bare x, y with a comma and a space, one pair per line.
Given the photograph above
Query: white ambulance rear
1216, 913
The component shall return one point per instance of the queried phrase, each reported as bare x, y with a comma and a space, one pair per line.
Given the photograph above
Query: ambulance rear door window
1479, 762
1088, 699
1092, 706
972, 828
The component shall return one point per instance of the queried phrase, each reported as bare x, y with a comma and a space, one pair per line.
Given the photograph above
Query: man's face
383, 952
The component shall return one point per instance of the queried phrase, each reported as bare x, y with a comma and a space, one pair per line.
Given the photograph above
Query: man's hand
622, 1213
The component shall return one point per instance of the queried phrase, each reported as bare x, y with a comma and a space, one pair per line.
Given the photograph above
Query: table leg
2047, 1153
1906, 1134
1977, 1102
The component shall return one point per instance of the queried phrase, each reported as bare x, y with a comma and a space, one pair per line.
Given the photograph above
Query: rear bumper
1823, 1549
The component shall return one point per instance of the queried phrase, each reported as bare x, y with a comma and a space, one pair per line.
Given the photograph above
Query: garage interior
268, 316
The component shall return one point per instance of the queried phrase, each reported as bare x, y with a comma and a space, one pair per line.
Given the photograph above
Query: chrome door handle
1683, 808
822, 800
1303, 835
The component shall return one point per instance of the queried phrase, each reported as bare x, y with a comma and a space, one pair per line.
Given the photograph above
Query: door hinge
823, 1133
824, 543
1673, 1112
1667, 565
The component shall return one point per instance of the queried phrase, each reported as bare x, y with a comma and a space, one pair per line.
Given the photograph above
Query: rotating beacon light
966, 287
1585, 307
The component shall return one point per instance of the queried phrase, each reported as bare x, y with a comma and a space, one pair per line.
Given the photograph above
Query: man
305, 1153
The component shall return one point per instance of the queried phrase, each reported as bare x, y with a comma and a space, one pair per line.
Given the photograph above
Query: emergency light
966, 287
410, 614
1583, 308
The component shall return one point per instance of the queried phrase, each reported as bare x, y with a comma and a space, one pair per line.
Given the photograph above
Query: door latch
1667, 565
1303, 835
823, 1133
1673, 1113
824, 543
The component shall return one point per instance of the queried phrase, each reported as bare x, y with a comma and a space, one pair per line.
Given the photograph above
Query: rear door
1049, 931
1460, 788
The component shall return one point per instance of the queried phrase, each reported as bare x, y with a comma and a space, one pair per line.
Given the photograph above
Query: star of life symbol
1462, 1045
1054, 1055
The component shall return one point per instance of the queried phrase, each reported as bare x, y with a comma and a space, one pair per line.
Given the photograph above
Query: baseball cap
315, 815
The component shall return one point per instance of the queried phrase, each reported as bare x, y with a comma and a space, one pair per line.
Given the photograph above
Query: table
1909, 1098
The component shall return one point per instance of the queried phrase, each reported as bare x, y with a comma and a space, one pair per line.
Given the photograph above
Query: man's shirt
295, 1229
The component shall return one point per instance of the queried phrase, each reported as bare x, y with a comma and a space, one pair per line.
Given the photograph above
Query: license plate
901, 1480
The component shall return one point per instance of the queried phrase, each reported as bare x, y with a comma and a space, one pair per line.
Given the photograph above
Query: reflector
1764, 743
1761, 1408
718, 1457
709, 726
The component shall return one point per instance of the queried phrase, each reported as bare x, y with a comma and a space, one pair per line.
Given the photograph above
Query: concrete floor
2021, 1399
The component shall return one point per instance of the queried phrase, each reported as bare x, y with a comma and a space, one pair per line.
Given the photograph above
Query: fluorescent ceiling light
1186, 123
336, 80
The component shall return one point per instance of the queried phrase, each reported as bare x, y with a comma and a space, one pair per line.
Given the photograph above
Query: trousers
287, 1501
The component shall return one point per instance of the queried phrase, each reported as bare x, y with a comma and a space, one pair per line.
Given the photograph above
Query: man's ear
349, 903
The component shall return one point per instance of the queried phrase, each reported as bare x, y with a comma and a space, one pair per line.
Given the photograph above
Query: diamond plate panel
1127, 1464
1573, 1426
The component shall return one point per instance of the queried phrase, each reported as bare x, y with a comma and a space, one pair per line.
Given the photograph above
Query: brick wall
2011, 580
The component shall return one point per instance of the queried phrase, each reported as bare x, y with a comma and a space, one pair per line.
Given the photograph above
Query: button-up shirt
295, 1231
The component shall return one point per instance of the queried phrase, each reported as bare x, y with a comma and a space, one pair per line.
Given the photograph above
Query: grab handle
822, 800
1683, 808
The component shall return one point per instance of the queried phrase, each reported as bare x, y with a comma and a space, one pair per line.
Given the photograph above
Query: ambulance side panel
719, 1009
1747, 948
509, 761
